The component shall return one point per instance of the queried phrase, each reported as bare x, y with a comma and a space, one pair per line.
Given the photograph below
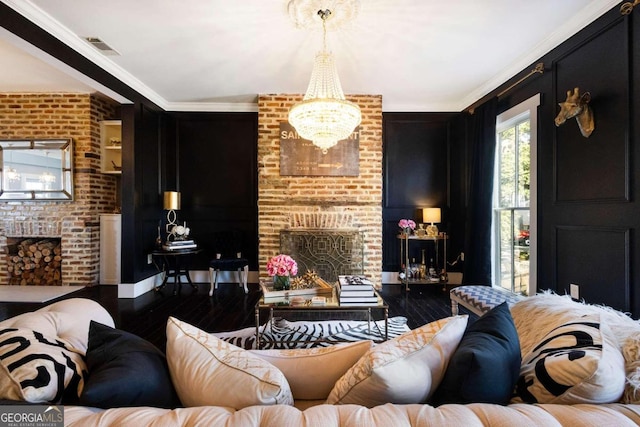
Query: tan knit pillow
406, 369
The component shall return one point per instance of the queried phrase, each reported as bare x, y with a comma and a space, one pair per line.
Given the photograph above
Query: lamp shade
431, 215
171, 200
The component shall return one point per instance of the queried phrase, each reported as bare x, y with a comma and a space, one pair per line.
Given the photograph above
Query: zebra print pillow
38, 369
577, 362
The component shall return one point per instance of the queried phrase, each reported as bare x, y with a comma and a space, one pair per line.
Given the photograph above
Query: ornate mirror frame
36, 169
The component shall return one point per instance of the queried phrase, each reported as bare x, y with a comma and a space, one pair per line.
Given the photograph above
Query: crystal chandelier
324, 116
47, 178
13, 175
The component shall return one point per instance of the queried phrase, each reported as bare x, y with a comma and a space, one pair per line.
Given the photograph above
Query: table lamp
431, 215
171, 204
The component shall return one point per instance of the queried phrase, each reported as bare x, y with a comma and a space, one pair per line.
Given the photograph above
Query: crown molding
43, 20
580, 20
222, 107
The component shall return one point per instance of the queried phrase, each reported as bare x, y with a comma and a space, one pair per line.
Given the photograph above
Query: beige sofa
204, 369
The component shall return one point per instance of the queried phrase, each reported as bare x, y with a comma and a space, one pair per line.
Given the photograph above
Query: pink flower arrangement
407, 223
282, 265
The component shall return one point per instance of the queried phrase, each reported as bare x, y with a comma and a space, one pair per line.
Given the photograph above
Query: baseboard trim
133, 290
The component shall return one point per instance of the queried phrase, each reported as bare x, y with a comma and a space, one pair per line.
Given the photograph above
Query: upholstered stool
227, 246
239, 265
480, 299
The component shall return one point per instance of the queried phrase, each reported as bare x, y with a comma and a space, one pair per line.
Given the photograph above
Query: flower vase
281, 283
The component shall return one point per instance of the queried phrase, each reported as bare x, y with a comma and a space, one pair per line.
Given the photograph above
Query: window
514, 207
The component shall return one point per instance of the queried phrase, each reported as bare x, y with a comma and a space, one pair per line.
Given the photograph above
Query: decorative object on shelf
577, 106
115, 166
158, 238
116, 142
171, 204
180, 232
423, 266
407, 226
324, 116
282, 267
307, 281
431, 215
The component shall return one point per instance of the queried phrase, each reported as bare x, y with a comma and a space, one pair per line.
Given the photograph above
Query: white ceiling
218, 55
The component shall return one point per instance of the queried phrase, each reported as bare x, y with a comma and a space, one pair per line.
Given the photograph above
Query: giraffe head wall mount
577, 106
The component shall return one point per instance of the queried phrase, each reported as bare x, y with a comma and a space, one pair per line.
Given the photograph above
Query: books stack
356, 291
175, 245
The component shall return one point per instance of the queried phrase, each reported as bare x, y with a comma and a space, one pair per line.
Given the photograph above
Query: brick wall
352, 202
75, 116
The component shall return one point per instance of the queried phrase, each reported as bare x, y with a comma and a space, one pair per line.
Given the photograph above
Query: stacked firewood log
35, 262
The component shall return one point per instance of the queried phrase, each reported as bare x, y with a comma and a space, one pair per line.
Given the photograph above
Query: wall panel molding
598, 259
579, 161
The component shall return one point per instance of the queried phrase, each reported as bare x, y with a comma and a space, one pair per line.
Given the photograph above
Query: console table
174, 264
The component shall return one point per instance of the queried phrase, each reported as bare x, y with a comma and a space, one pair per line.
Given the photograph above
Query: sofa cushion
209, 371
551, 310
312, 372
38, 368
67, 320
406, 369
486, 364
125, 370
577, 362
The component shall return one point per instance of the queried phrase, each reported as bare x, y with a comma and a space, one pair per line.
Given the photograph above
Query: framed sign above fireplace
36, 169
299, 157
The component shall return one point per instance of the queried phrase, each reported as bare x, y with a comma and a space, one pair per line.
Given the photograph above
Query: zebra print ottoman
480, 299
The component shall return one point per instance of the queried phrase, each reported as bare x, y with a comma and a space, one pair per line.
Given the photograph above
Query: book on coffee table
356, 290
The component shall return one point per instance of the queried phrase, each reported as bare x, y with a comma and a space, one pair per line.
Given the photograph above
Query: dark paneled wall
588, 213
416, 158
142, 136
214, 156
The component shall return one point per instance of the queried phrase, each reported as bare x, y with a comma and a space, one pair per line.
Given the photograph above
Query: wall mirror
37, 169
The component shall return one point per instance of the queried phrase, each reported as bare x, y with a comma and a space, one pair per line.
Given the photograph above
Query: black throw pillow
486, 365
125, 370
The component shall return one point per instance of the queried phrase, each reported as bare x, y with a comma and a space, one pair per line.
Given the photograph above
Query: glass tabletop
308, 302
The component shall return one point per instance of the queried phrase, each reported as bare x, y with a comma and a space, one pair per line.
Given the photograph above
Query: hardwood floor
229, 309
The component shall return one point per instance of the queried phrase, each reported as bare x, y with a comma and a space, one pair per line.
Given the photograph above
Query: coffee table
303, 304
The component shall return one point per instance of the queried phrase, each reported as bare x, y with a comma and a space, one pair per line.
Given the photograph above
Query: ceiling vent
101, 46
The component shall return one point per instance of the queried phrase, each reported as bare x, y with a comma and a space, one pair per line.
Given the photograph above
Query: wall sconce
171, 204
431, 215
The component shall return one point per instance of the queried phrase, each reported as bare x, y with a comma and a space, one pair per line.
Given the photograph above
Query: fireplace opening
34, 261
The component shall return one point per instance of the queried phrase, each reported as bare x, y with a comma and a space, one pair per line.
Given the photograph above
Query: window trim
506, 120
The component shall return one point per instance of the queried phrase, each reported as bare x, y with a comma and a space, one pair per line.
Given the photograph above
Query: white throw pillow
406, 369
38, 368
577, 362
208, 371
312, 372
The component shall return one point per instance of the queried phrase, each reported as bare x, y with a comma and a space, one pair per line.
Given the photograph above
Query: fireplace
327, 252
